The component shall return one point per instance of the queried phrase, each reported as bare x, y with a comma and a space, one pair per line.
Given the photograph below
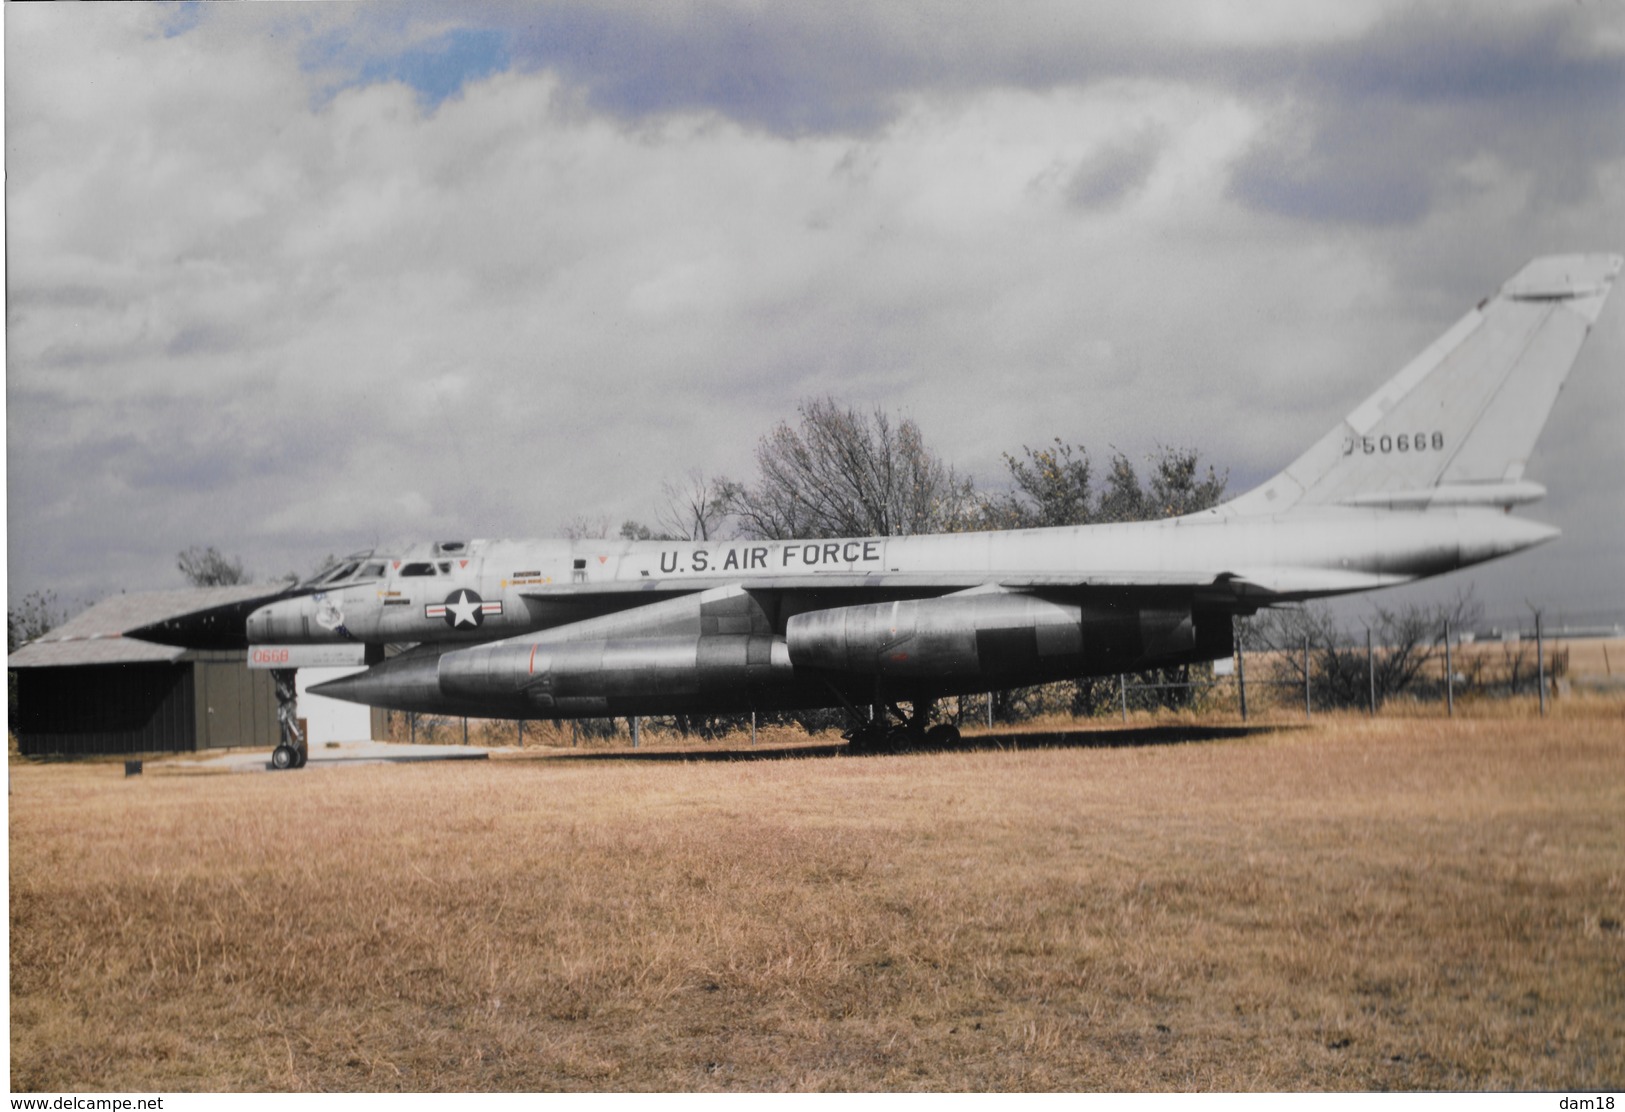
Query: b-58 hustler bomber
1415, 481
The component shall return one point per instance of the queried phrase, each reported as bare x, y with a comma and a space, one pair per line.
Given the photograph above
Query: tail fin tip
1563, 277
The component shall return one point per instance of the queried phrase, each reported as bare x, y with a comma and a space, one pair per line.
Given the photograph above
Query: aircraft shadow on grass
1138, 737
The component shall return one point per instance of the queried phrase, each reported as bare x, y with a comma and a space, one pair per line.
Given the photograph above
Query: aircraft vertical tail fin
1457, 425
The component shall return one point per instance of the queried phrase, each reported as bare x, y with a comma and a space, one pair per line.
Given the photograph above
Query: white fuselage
503, 588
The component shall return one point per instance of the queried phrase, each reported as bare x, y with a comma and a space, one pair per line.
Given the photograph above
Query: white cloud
256, 306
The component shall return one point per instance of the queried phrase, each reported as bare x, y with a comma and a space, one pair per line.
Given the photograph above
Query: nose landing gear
292, 752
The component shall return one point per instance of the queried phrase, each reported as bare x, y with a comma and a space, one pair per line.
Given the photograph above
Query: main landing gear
893, 731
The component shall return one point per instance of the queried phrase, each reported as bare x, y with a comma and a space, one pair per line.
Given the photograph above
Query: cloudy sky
292, 279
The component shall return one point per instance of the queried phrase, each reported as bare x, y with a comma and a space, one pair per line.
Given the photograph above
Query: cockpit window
346, 570
336, 574
419, 569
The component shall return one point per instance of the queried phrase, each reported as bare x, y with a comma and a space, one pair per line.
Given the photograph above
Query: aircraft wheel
901, 739
300, 758
284, 757
870, 739
943, 733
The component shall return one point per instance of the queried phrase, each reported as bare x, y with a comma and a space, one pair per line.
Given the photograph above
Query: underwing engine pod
622, 676
973, 641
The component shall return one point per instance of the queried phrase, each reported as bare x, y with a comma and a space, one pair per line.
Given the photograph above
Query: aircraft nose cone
225, 626
409, 682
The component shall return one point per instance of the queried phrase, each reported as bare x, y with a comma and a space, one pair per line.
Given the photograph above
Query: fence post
412, 721
1241, 678
1449, 674
990, 710
753, 727
1540, 659
465, 729
637, 730
521, 733
1122, 691
1308, 711
1370, 673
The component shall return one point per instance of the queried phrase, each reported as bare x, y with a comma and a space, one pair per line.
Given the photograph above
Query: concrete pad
341, 754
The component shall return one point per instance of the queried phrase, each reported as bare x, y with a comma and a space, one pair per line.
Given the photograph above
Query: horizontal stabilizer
1503, 495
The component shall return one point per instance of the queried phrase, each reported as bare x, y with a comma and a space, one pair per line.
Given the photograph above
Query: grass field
1409, 903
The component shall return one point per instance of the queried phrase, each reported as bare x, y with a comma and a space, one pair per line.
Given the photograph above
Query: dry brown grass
1595, 656
1406, 903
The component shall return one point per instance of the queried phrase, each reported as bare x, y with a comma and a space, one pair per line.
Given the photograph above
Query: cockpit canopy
358, 567
365, 567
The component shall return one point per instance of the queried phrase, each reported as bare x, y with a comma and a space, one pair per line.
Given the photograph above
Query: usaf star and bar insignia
463, 607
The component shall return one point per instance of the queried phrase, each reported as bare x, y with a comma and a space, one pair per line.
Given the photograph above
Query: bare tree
637, 531
207, 567
1055, 486
697, 507
32, 618
580, 527
1122, 500
842, 473
1178, 488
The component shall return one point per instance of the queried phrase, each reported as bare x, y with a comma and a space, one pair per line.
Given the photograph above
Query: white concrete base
344, 754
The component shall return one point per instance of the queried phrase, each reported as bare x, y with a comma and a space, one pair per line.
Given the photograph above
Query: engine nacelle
601, 677
994, 639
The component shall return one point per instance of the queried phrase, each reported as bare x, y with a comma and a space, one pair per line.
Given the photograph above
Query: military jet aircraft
1415, 482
